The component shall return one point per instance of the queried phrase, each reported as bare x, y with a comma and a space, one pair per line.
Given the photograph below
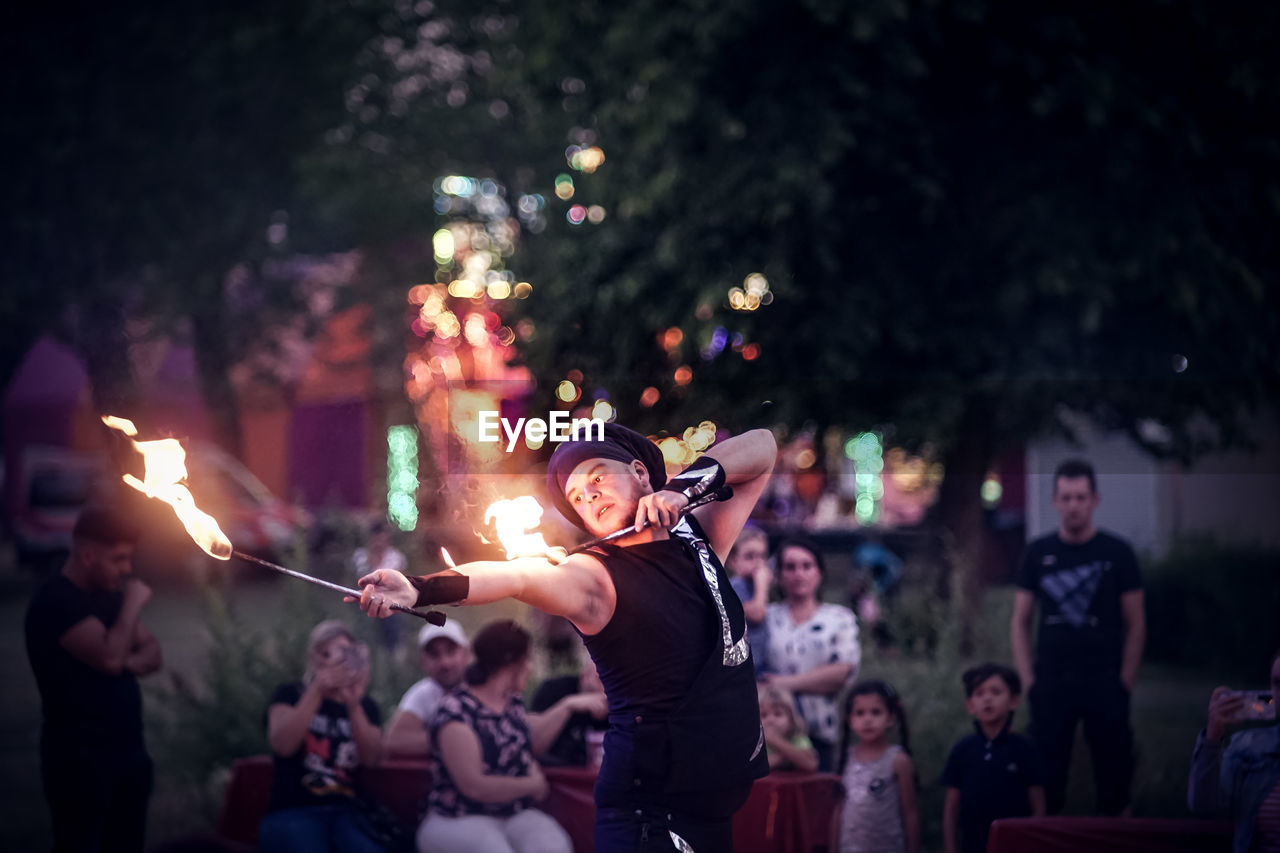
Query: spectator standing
321, 730
993, 773
484, 777
878, 812
1241, 775
1092, 629
443, 654
813, 647
87, 648
750, 577
381, 554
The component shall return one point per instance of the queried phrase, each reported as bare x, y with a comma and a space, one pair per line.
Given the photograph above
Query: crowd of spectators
467, 721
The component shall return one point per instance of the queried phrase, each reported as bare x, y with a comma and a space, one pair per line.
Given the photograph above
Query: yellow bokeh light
755, 283
567, 392
447, 325
673, 452
603, 410
522, 290
432, 307
737, 298
499, 289
442, 246
589, 159
476, 333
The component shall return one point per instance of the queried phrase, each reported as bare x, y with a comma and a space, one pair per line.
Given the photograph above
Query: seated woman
484, 778
320, 731
1240, 776
813, 647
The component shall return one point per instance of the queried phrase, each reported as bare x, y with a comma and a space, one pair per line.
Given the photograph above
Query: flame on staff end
513, 519
448, 560
165, 466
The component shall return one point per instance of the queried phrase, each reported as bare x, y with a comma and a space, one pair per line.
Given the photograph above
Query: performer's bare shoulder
579, 589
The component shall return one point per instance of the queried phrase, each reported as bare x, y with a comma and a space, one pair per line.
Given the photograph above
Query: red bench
1109, 835
398, 785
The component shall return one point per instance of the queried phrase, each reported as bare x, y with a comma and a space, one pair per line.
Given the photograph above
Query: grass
1168, 704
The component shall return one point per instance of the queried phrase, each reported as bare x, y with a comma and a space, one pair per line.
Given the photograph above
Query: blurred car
56, 483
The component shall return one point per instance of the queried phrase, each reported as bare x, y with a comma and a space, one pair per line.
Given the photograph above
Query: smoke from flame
512, 520
165, 468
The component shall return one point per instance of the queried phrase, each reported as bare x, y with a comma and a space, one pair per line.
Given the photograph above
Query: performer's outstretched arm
577, 588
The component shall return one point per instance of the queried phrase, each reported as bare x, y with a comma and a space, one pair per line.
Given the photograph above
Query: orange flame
513, 520
448, 560
165, 467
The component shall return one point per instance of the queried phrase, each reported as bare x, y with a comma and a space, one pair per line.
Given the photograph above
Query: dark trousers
98, 803
650, 831
1058, 704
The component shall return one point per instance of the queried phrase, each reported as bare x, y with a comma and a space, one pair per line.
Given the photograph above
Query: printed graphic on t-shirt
329, 754
1073, 590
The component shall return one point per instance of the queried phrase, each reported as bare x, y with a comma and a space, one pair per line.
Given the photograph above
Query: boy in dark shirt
992, 773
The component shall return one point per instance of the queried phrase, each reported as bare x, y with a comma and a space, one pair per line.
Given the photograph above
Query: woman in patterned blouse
484, 778
813, 647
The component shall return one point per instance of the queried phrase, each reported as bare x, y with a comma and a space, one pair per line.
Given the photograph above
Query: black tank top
682, 721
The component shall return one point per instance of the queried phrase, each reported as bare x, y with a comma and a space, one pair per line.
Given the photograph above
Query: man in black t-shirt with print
1092, 628
87, 648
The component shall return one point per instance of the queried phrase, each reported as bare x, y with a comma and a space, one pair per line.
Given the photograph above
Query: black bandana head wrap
620, 444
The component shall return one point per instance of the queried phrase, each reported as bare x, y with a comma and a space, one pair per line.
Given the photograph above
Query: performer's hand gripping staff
599, 487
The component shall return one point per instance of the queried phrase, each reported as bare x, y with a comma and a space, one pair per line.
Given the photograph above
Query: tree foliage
972, 216
151, 145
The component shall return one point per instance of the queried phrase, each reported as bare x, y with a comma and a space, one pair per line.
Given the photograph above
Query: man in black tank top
661, 622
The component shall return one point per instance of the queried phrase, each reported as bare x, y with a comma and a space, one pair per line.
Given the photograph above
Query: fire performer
659, 619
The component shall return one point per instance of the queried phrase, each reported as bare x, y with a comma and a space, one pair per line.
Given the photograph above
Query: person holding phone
320, 731
1241, 775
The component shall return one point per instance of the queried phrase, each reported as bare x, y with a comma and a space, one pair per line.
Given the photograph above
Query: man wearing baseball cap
443, 653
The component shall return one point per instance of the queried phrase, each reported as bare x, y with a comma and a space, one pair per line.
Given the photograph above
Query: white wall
1233, 497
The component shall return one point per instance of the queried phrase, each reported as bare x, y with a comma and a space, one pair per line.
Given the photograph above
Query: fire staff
659, 619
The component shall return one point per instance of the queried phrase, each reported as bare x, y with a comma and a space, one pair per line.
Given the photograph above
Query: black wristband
445, 587
703, 476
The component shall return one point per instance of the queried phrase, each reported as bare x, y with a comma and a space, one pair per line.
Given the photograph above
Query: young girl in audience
785, 734
877, 779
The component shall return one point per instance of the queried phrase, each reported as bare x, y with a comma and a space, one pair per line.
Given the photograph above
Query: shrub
1214, 607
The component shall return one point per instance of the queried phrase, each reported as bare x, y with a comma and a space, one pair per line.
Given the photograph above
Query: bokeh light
567, 392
